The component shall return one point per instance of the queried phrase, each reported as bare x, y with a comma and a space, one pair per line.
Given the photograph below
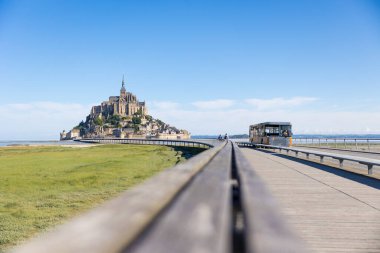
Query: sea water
35, 143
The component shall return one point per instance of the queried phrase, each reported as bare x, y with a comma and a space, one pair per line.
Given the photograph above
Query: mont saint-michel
123, 116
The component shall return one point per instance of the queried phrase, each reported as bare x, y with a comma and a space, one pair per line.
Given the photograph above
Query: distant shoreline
23, 143
298, 136
10, 143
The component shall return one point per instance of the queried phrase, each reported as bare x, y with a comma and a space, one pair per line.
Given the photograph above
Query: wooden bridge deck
331, 209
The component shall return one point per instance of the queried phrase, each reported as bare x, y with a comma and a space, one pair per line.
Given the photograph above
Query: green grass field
43, 186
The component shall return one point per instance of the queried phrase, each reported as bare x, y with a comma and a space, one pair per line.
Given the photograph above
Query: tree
160, 122
114, 120
80, 126
136, 120
149, 118
98, 121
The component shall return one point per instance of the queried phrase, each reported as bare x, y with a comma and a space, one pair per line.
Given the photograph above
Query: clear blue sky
312, 57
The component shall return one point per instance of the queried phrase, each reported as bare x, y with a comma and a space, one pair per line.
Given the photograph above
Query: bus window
286, 131
272, 130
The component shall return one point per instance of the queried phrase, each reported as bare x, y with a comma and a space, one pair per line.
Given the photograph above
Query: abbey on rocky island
123, 116
124, 105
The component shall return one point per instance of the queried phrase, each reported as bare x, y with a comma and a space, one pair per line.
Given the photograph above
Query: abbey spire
122, 90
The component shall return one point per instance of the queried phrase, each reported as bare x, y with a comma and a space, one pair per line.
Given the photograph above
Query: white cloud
236, 121
163, 105
214, 104
44, 120
39, 120
279, 103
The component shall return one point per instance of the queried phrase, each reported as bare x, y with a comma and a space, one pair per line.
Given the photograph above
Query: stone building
71, 135
124, 105
123, 116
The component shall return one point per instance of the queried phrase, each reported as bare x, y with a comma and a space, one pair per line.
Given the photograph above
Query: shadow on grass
187, 152
362, 179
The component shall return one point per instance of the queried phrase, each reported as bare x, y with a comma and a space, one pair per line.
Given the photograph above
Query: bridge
235, 197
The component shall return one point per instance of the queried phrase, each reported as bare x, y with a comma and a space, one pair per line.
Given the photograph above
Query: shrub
136, 120
98, 121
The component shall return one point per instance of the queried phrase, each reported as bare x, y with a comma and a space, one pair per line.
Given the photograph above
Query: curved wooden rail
178, 143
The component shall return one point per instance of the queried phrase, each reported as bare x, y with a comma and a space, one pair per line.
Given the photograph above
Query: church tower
123, 91
122, 99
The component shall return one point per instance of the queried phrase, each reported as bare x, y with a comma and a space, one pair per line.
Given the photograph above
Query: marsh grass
43, 186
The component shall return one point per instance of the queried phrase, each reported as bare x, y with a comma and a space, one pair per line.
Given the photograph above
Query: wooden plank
265, 229
117, 223
199, 220
332, 213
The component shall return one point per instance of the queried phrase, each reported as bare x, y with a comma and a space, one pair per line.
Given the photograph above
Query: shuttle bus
271, 133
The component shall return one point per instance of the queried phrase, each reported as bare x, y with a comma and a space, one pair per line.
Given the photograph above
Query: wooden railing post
341, 163
370, 169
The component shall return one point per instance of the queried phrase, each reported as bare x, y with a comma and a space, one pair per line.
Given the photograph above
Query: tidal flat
43, 186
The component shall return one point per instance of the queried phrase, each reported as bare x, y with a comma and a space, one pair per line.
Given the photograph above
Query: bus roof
273, 123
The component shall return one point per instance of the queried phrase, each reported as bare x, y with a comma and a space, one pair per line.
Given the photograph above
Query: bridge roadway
331, 209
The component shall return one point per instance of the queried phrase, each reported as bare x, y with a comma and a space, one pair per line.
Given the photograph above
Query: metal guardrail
177, 143
214, 202
341, 158
344, 143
